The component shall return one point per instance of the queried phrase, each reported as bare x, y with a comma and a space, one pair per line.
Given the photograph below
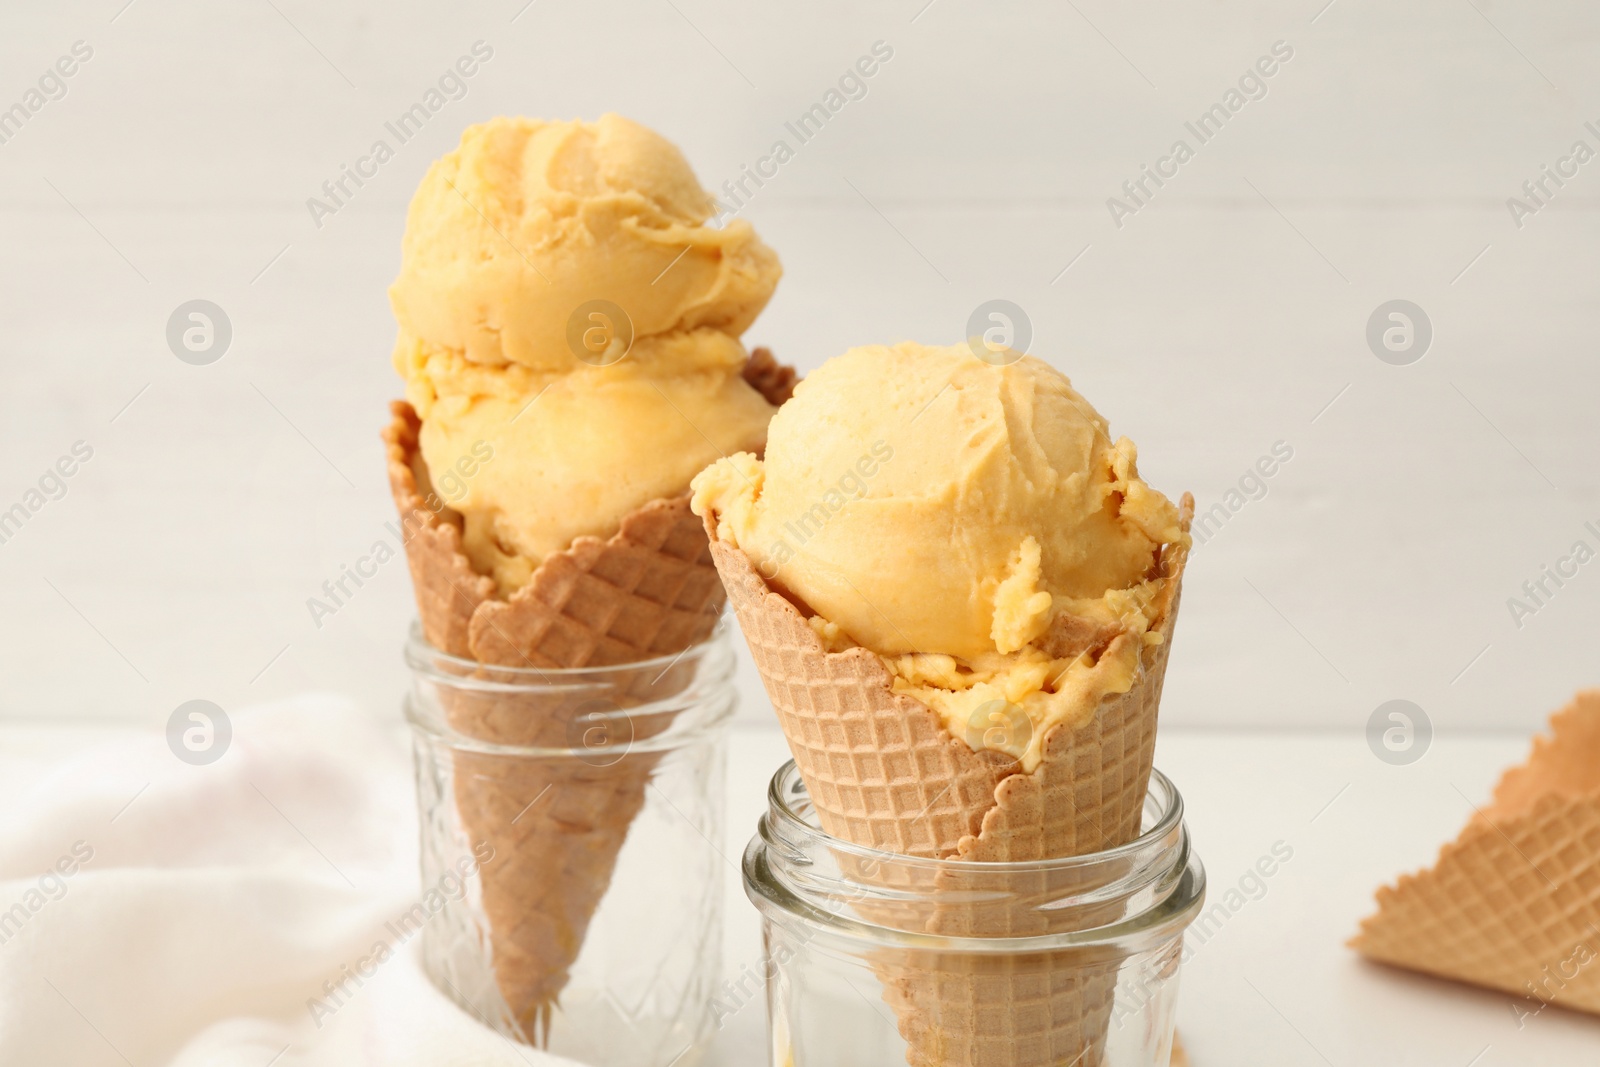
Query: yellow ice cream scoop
969, 520
528, 220
533, 461
569, 332
924, 500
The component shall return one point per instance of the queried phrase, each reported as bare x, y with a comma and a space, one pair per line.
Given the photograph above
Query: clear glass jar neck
653, 705
1140, 892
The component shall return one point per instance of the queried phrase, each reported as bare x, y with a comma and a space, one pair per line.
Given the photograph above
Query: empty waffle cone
1513, 903
883, 771
556, 826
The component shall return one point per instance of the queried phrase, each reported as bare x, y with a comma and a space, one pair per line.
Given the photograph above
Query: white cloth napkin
157, 914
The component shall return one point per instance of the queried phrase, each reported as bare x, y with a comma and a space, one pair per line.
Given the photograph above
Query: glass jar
875, 959
571, 891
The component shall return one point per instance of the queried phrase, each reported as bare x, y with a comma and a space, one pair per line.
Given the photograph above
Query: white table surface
1275, 986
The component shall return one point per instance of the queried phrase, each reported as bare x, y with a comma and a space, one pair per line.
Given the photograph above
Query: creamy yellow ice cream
569, 332
974, 524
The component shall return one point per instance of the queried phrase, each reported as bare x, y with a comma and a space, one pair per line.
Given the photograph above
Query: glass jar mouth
646, 706
787, 784
1150, 887
461, 672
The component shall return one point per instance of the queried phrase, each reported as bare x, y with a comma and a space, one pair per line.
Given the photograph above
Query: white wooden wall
1228, 314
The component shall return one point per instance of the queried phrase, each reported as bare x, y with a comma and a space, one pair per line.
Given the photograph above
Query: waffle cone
1513, 903
555, 826
883, 771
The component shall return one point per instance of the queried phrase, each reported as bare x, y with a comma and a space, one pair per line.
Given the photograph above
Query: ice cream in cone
960, 596
569, 339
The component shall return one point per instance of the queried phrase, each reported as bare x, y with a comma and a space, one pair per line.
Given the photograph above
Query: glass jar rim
709, 695
789, 774
1181, 870
420, 656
